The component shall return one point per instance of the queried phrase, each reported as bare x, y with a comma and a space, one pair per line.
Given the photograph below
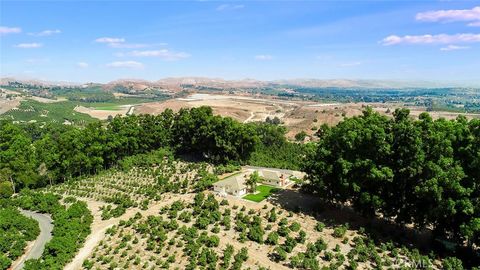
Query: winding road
35, 251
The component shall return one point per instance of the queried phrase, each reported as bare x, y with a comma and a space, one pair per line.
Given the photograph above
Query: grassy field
107, 108
263, 193
113, 104
59, 112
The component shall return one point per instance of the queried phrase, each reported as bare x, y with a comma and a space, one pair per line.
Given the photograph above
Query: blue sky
106, 40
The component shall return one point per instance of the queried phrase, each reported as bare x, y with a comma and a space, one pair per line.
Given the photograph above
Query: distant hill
175, 84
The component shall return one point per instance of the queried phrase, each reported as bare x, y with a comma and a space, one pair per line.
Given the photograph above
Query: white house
273, 178
234, 185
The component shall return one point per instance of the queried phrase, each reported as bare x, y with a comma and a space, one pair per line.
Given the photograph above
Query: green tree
6, 189
252, 181
300, 136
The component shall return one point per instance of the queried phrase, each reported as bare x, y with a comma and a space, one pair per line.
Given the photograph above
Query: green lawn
263, 193
107, 108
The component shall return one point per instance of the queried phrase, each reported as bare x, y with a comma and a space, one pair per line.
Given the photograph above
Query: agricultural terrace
202, 231
138, 186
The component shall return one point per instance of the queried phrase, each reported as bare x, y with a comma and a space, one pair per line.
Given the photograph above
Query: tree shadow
190, 157
379, 229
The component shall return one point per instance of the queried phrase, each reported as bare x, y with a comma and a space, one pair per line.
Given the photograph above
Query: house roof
235, 182
272, 175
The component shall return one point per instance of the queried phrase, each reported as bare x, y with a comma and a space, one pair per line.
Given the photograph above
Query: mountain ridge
252, 83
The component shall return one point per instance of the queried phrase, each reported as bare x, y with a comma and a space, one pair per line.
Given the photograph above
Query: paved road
130, 110
46, 227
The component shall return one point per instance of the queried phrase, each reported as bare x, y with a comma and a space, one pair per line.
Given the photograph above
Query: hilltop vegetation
34, 156
56, 104
15, 230
409, 172
90, 93
72, 221
139, 183
203, 232
71, 227
58, 112
420, 172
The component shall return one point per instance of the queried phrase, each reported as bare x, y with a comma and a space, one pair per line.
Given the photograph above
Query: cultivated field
103, 113
189, 232
153, 217
119, 190
296, 115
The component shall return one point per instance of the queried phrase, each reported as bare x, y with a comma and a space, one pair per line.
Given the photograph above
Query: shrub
239, 258
339, 232
6, 189
289, 244
280, 254
272, 238
302, 235
295, 227
320, 226
320, 244
283, 231
452, 263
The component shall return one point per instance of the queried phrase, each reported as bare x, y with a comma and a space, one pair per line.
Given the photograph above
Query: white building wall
241, 192
229, 190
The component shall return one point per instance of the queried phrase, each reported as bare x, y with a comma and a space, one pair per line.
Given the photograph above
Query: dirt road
99, 227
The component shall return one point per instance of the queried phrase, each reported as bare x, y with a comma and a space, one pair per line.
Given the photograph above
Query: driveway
35, 251
297, 174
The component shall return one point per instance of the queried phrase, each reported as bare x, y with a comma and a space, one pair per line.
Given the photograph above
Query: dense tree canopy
422, 171
71, 227
35, 156
15, 231
216, 138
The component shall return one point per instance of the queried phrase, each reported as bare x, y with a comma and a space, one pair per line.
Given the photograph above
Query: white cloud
431, 39
127, 45
37, 60
82, 65
452, 15
126, 64
120, 43
163, 54
109, 40
225, 7
474, 24
45, 33
9, 30
454, 48
29, 45
351, 64
263, 57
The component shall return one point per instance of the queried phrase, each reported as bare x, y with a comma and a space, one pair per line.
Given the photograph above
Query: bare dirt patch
241, 108
296, 115
102, 114
6, 104
47, 100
